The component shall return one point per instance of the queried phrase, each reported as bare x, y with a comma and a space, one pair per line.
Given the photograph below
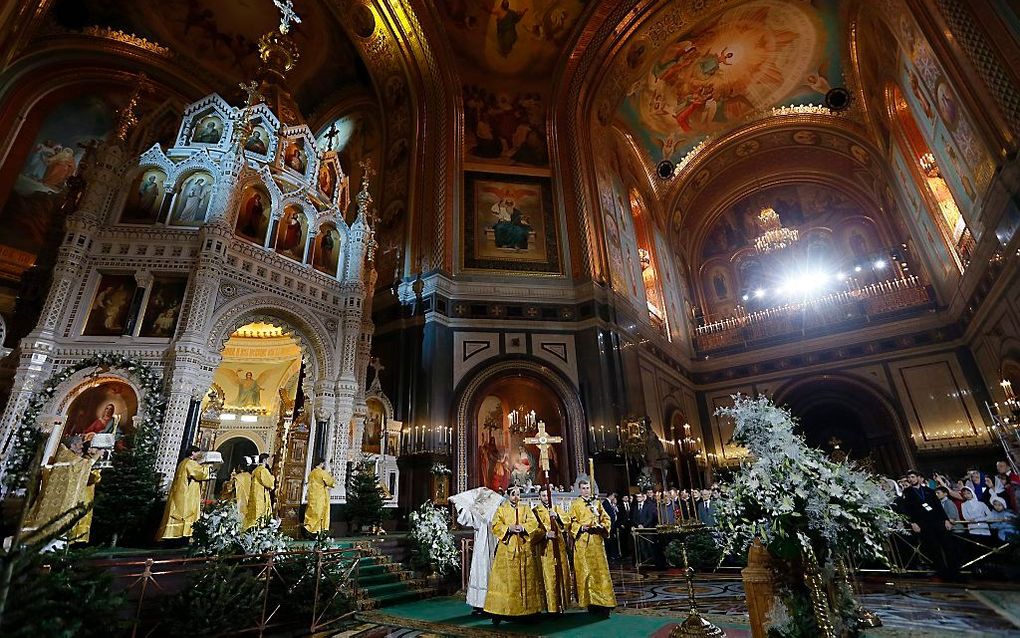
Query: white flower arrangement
791, 495
431, 539
440, 469
218, 532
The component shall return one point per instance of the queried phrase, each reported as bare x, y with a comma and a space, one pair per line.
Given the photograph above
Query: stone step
396, 598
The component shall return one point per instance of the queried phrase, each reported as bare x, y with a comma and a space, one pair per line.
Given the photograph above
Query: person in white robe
475, 510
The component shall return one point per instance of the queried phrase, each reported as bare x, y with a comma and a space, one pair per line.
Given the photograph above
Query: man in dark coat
929, 522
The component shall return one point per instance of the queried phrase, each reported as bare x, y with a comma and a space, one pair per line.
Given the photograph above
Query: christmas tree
364, 496
126, 499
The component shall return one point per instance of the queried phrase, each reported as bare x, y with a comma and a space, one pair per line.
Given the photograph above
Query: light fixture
857, 269
774, 236
758, 294
880, 264
746, 297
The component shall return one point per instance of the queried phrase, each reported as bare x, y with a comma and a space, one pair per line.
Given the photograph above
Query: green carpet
450, 616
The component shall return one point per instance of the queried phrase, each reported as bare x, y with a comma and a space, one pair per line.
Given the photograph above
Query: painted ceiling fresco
744, 60
221, 38
510, 37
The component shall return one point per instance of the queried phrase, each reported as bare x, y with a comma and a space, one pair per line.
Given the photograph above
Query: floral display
802, 505
218, 532
440, 469
432, 543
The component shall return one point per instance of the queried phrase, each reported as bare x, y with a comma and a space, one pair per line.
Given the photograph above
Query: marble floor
907, 607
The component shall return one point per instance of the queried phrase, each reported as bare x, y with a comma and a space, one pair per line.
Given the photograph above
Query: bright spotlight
857, 269
745, 297
758, 294
880, 264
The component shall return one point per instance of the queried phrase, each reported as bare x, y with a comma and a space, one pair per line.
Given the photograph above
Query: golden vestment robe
242, 487
260, 503
591, 568
317, 512
515, 583
557, 587
63, 488
81, 530
184, 504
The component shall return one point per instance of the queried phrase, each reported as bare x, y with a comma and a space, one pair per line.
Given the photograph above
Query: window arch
654, 299
928, 175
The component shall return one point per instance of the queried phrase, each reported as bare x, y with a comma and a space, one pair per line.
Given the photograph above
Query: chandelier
774, 236
521, 420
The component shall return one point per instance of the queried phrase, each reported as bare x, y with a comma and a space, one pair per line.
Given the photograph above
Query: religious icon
209, 130
371, 439
107, 408
110, 308
253, 216
327, 179
510, 223
290, 238
719, 283
327, 250
947, 105
193, 200
145, 197
257, 141
249, 391
163, 307
295, 156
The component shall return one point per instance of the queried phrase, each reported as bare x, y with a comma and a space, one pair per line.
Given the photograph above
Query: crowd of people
980, 507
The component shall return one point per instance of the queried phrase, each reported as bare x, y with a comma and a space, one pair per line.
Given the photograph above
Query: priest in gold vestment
550, 543
260, 502
184, 503
82, 529
515, 582
317, 512
589, 525
64, 486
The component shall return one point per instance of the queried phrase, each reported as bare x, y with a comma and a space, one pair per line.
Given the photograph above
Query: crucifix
331, 135
287, 15
543, 441
377, 367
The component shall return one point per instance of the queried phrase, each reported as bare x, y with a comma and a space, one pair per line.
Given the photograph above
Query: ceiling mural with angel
741, 61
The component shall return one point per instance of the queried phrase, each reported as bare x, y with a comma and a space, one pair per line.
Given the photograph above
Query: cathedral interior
414, 231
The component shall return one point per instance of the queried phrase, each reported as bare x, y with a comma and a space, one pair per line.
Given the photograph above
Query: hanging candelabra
521, 420
774, 235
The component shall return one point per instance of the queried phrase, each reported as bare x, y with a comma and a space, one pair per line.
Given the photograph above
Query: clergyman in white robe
475, 510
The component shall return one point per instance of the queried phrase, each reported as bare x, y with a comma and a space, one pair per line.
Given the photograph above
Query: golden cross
543, 441
254, 96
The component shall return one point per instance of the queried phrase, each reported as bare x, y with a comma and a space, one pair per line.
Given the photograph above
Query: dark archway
234, 450
833, 411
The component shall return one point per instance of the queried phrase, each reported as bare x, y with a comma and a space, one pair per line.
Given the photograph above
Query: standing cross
287, 14
331, 136
254, 95
543, 441
376, 366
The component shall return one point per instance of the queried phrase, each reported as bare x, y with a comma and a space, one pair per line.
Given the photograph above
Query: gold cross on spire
287, 15
254, 95
543, 441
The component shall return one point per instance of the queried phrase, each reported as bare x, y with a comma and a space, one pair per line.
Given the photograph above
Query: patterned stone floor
906, 607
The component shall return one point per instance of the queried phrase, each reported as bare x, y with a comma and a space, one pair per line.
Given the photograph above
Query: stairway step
378, 591
395, 598
378, 579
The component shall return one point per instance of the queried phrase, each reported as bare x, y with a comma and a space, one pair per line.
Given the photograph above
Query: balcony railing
849, 308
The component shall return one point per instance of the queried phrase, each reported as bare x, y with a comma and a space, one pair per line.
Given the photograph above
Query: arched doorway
233, 450
489, 449
847, 418
505, 412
